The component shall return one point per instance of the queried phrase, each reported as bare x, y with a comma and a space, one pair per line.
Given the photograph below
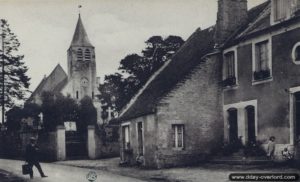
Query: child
286, 154
271, 148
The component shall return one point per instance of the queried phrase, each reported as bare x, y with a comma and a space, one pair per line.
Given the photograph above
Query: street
58, 173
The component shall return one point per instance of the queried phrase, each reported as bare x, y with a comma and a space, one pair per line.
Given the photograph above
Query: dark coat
31, 153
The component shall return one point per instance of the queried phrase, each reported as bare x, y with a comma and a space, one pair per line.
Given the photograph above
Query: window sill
232, 87
257, 82
178, 148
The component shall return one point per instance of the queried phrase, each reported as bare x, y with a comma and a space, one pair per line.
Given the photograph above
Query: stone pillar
61, 143
91, 142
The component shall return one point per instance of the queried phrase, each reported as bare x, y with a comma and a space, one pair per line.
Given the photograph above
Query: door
233, 125
250, 116
140, 138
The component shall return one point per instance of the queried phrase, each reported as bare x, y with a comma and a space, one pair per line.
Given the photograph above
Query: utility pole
3, 100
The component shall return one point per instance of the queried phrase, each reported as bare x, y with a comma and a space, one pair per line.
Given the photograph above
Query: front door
233, 125
250, 116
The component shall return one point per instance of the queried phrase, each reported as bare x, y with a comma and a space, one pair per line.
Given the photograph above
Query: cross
109, 111
79, 7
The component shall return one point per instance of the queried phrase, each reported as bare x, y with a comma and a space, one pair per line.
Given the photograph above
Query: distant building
237, 80
81, 79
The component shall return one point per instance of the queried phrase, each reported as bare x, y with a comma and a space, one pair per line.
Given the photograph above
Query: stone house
237, 80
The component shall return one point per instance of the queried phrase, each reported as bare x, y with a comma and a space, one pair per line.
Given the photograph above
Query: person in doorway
31, 157
271, 148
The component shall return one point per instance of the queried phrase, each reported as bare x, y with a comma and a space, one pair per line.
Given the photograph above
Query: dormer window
87, 55
284, 9
79, 55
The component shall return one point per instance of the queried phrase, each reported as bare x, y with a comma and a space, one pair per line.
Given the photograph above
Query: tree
118, 89
15, 82
14, 117
87, 114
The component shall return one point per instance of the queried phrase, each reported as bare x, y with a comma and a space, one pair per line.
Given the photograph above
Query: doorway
250, 116
233, 125
140, 138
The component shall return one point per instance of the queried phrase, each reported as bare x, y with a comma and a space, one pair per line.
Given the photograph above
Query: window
79, 55
229, 69
296, 53
126, 137
262, 62
76, 94
177, 135
284, 9
280, 10
87, 55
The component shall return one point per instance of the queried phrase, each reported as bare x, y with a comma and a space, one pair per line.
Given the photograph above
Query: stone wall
197, 104
101, 145
13, 145
149, 140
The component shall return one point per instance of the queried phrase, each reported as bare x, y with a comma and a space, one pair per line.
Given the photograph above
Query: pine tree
14, 81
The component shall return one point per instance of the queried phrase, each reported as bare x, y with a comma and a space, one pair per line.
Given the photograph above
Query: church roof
55, 82
80, 37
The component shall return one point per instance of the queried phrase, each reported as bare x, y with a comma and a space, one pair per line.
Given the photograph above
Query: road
61, 173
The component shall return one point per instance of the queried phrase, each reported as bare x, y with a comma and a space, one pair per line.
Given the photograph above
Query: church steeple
80, 37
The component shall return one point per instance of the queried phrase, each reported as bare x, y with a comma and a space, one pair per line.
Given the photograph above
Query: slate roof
48, 84
80, 37
200, 43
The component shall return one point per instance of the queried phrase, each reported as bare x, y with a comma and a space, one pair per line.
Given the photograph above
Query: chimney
231, 15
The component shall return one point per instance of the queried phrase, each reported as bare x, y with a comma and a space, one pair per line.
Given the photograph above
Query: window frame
294, 57
175, 144
269, 45
124, 126
224, 77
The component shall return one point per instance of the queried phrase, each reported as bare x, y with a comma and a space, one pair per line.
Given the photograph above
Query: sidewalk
205, 172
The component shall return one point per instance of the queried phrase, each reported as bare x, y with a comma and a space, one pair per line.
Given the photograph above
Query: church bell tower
81, 64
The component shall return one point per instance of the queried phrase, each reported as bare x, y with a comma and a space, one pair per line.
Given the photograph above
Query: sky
115, 27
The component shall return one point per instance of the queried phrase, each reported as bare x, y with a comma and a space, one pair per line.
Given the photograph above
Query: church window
77, 94
79, 55
87, 55
93, 96
178, 135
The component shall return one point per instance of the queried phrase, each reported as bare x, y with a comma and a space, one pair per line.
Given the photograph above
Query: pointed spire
80, 37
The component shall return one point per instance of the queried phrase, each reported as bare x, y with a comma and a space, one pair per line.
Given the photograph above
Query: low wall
13, 145
100, 145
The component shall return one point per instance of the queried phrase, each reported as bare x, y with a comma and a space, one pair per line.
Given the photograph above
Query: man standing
31, 156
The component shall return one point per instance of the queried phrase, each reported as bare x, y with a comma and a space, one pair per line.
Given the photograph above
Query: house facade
235, 81
261, 60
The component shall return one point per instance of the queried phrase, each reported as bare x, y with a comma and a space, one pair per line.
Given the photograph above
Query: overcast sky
115, 27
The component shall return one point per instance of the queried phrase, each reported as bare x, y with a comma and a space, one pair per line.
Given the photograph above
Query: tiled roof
200, 43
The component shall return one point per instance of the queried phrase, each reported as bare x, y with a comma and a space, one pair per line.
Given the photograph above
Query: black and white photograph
149, 90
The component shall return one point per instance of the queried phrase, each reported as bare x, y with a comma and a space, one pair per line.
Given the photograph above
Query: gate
76, 145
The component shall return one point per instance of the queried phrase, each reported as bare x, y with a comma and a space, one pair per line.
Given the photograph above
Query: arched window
296, 53
87, 55
79, 55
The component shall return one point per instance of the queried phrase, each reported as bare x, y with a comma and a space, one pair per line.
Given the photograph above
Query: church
81, 80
